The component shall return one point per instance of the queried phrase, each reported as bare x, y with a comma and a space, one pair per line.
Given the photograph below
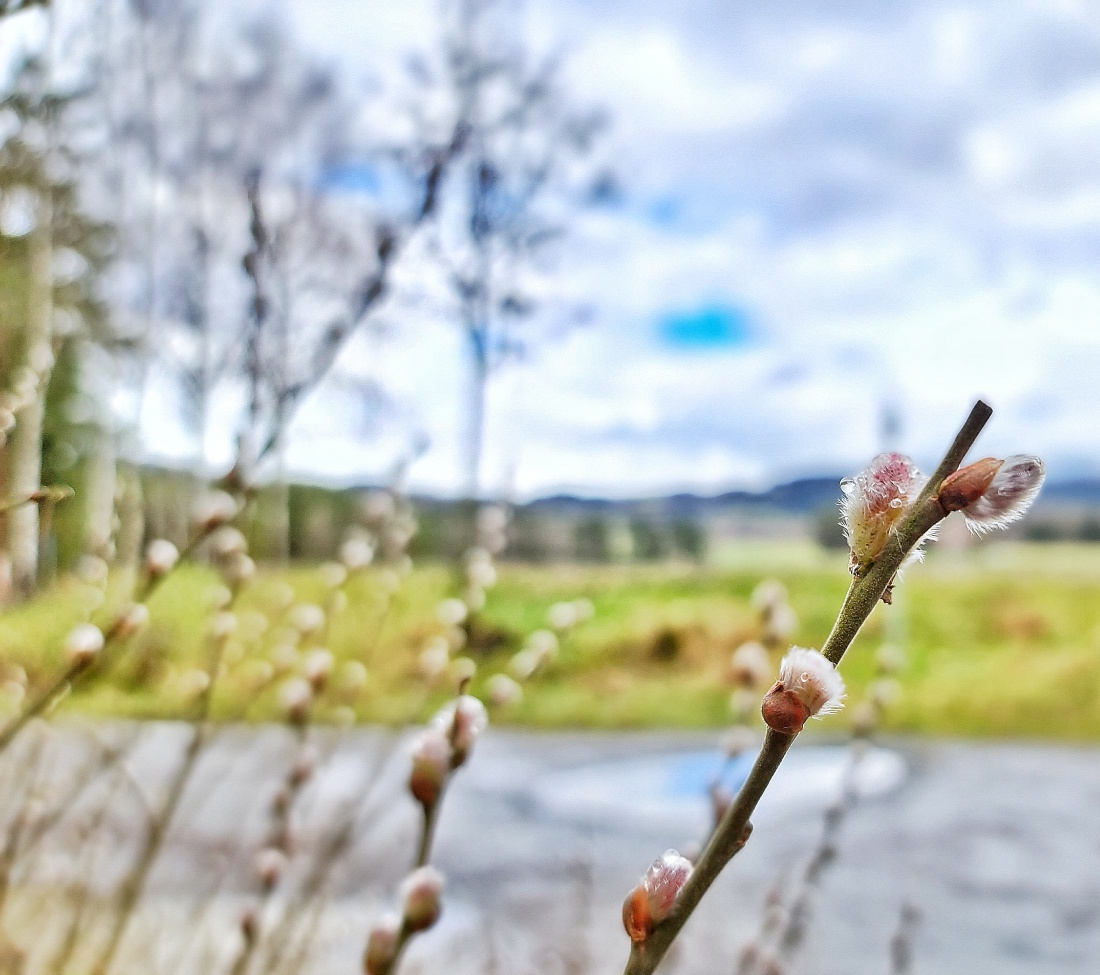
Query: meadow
998, 640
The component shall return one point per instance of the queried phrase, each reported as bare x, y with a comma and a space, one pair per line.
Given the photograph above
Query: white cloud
903, 197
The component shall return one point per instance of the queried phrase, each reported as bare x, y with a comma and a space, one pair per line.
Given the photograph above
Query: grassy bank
1002, 640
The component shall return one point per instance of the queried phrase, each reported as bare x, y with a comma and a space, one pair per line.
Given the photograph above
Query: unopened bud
451, 612
864, 719
333, 574
307, 618
296, 697
238, 570
132, 620
544, 643
524, 664
282, 596
431, 762
750, 666
503, 691
421, 898
160, 557
382, 944
214, 508
463, 670
885, 692
652, 901
969, 483
223, 625
769, 593
270, 864
808, 686
480, 572
378, 506
317, 668
890, 658
584, 609
434, 658
561, 616
462, 721
353, 676
250, 923
780, 625
218, 597
41, 357
356, 554
83, 644
739, 740
192, 682
742, 704
303, 768
280, 801
226, 542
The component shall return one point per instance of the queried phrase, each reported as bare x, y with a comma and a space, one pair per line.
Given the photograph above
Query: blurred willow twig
135, 884
80, 668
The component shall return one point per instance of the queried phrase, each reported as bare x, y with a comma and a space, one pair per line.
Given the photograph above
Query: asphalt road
997, 845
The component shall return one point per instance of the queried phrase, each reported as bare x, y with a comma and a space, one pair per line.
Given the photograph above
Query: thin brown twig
134, 888
80, 669
863, 595
901, 944
278, 955
427, 837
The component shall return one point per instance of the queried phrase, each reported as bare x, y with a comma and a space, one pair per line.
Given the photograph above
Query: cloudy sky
832, 209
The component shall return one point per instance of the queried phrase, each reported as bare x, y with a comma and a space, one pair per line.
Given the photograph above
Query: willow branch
864, 593
80, 669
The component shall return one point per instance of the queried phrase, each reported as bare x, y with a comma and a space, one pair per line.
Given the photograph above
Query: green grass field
1000, 640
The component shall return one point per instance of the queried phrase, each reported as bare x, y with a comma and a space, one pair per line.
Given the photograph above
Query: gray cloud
905, 195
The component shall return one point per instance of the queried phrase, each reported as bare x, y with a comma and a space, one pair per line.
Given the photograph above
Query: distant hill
801, 497
805, 496
1084, 492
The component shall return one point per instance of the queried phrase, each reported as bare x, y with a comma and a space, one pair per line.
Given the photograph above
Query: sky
830, 210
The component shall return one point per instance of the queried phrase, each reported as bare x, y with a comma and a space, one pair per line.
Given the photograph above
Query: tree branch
863, 594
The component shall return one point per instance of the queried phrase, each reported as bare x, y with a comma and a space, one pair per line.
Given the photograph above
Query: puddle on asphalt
674, 786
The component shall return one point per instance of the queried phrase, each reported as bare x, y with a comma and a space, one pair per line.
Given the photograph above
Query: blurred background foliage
998, 641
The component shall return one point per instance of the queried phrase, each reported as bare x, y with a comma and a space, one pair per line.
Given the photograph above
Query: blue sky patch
351, 178
710, 327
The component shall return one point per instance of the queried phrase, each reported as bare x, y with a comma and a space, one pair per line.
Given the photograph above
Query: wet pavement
997, 845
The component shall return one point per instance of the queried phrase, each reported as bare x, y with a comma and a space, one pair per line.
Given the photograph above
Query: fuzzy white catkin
874, 500
1014, 487
816, 682
83, 643
161, 557
451, 612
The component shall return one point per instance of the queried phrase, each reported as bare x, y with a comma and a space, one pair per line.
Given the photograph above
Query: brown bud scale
637, 918
783, 710
968, 484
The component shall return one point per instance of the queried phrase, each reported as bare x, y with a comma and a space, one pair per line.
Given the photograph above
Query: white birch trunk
26, 439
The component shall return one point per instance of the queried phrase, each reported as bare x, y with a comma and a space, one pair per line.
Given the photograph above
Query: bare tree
9, 7
509, 196
55, 252
248, 128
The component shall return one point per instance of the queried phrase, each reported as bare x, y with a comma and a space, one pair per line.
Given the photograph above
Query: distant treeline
310, 522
